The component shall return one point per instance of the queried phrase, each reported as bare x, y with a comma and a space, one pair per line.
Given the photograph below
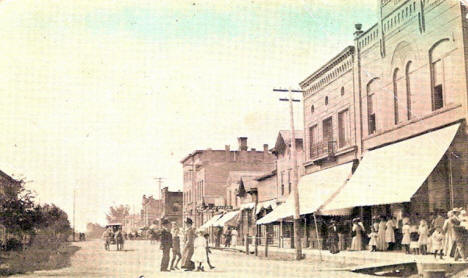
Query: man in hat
189, 239
166, 244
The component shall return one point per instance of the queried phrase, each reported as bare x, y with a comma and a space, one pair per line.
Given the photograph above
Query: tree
118, 213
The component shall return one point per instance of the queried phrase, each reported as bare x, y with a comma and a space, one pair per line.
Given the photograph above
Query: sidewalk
352, 260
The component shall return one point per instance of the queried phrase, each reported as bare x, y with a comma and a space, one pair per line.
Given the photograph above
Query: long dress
234, 238
199, 253
188, 248
449, 242
390, 232
356, 243
381, 244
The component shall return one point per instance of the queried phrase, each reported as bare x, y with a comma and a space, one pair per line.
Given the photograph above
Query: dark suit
166, 244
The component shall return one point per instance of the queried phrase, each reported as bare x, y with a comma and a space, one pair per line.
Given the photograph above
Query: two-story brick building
206, 171
171, 205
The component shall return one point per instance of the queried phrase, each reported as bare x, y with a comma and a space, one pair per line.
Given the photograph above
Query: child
423, 232
414, 236
208, 251
406, 231
437, 242
199, 253
373, 240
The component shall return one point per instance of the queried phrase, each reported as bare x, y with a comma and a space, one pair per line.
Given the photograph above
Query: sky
100, 97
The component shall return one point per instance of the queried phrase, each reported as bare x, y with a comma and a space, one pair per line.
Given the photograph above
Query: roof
266, 176
249, 182
235, 176
284, 138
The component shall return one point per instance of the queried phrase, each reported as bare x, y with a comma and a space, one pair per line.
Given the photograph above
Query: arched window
438, 54
395, 95
312, 109
371, 119
409, 112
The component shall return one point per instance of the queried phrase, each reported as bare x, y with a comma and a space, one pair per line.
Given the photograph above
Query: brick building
397, 99
171, 205
205, 174
150, 210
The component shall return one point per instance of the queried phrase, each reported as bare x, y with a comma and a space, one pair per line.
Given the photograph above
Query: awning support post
318, 238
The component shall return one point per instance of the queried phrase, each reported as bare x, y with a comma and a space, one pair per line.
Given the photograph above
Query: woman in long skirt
357, 230
390, 234
406, 231
381, 243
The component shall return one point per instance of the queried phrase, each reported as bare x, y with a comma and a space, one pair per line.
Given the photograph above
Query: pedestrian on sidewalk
200, 251
423, 232
176, 255
234, 235
357, 231
119, 239
406, 231
333, 237
227, 238
373, 239
343, 230
414, 243
166, 244
208, 251
189, 239
381, 243
390, 234
437, 242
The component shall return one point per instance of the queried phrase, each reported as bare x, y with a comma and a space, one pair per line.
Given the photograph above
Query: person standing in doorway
175, 246
166, 244
189, 239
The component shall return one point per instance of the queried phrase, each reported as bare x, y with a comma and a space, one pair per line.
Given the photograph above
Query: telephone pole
74, 205
159, 180
295, 191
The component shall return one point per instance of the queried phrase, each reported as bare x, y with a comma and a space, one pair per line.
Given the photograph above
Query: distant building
150, 211
206, 171
172, 204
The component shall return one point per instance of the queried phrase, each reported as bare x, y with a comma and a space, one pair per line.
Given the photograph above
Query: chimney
227, 150
265, 152
242, 143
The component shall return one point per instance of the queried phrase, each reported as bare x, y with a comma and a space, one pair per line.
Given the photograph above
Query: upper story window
343, 128
371, 118
342, 91
395, 95
282, 183
328, 130
409, 112
289, 181
313, 140
438, 54
312, 109
326, 100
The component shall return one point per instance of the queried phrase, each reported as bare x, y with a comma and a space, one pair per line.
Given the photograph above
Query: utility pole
159, 180
295, 191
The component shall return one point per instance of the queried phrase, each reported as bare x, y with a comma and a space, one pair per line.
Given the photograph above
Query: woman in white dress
390, 234
234, 235
358, 230
199, 252
381, 243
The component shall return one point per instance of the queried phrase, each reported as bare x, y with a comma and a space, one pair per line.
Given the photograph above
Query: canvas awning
267, 204
314, 190
210, 222
226, 218
247, 206
394, 173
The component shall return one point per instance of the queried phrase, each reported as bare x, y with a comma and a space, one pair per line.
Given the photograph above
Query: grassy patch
54, 256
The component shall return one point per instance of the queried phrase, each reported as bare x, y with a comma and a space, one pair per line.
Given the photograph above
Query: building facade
404, 78
205, 174
150, 210
171, 205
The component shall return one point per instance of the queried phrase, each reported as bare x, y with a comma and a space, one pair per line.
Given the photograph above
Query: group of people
195, 253
230, 237
442, 236
110, 236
